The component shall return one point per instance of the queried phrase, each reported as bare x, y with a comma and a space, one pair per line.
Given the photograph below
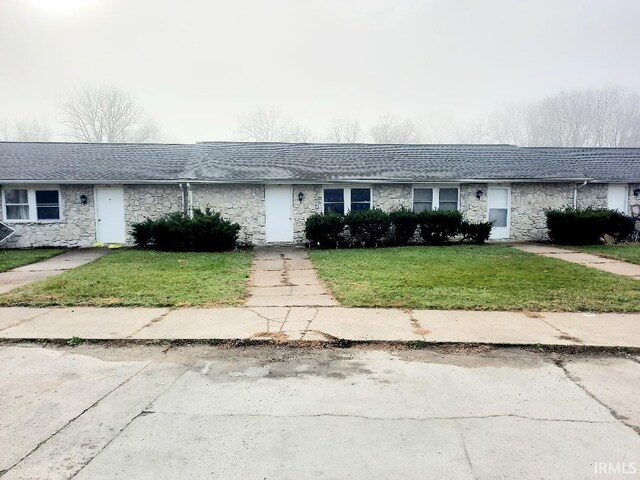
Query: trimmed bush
324, 230
477, 233
368, 228
207, 231
438, 226
405, 224
571, 226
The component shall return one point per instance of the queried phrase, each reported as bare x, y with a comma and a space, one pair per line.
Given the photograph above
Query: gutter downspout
189, 200
575, 193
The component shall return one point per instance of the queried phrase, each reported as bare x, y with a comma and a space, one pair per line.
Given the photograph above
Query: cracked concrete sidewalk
322, 324
285, 277
18, 277
617, 267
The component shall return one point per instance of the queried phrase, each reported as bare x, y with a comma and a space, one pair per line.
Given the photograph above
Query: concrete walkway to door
594, 261
284, 277
26, 274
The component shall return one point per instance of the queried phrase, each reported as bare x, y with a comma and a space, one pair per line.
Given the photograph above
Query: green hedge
373, 228
206, 231
571, 226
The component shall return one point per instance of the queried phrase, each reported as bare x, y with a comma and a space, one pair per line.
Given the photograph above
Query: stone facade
591, 195
240, 203
528, 203
76, 228
244, 204
149, 201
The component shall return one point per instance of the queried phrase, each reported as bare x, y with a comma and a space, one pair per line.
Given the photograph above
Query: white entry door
617, 198
110, 215
279, 213
499, 199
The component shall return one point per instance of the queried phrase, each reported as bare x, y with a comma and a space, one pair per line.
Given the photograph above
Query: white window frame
435, 187
33, 207
347, 195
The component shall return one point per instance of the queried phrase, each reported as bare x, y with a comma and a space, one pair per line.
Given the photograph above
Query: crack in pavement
368, 417
77, 416
619, 418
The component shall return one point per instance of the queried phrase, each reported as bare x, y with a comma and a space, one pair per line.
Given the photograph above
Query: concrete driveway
155, 412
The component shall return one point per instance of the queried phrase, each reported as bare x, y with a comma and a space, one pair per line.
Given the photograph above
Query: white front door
279, 213
110, 215
499, 199
617, 198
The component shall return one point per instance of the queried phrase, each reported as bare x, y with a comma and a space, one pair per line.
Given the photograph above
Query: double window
435, 198
31, 205
344, 199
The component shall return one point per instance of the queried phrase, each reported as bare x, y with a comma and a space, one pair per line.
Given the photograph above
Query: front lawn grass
17, 258
488, 277
143, 278
627, 252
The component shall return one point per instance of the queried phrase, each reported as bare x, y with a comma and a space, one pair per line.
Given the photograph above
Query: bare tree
263, 126
32, 131
298, 134
106, 114
5, 131
604, 117
390, 130
345, 130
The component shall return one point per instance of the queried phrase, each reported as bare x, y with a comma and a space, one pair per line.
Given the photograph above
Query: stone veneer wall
239, 203
392, 196
149, 201
528, 203
633, 200
312, 203
77, 227
591, 195
474, 209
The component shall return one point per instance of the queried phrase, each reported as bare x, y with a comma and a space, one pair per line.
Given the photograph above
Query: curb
337, 343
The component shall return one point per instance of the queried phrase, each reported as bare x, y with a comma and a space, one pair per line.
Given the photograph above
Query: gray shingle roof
257, 162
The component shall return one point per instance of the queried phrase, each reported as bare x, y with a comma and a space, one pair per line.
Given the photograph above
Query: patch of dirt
569, 338
532, 314
277, 336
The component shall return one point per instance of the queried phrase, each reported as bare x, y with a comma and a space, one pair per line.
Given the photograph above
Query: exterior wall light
83, 199
636, 192
479, 194
300, 196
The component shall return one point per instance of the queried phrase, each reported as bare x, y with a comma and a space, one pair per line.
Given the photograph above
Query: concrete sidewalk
323, 324
21, 276
594, 261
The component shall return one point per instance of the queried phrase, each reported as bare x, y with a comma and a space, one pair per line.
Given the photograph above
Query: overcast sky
197, 65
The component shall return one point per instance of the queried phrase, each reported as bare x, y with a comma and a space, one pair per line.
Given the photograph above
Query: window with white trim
344, 199
31, 205
435, 198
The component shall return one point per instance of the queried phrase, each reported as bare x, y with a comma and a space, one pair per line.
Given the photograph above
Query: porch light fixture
83, 199
301, 196
636, 192
479, 194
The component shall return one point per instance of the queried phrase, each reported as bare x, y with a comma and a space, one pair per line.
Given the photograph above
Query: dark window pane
421, 206
46, 197
448, 195
334, 195
48, 213
423, 195
361, 206
451, 206
498, 216
360, 195
334, 207
16, 196
17, 212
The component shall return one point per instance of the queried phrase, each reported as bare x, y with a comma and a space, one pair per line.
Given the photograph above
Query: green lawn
489, 277
144, 278
16, 258
628, 252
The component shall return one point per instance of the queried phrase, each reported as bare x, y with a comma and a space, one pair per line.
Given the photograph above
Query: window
16, 204
26, 205
435, 198
344, 199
